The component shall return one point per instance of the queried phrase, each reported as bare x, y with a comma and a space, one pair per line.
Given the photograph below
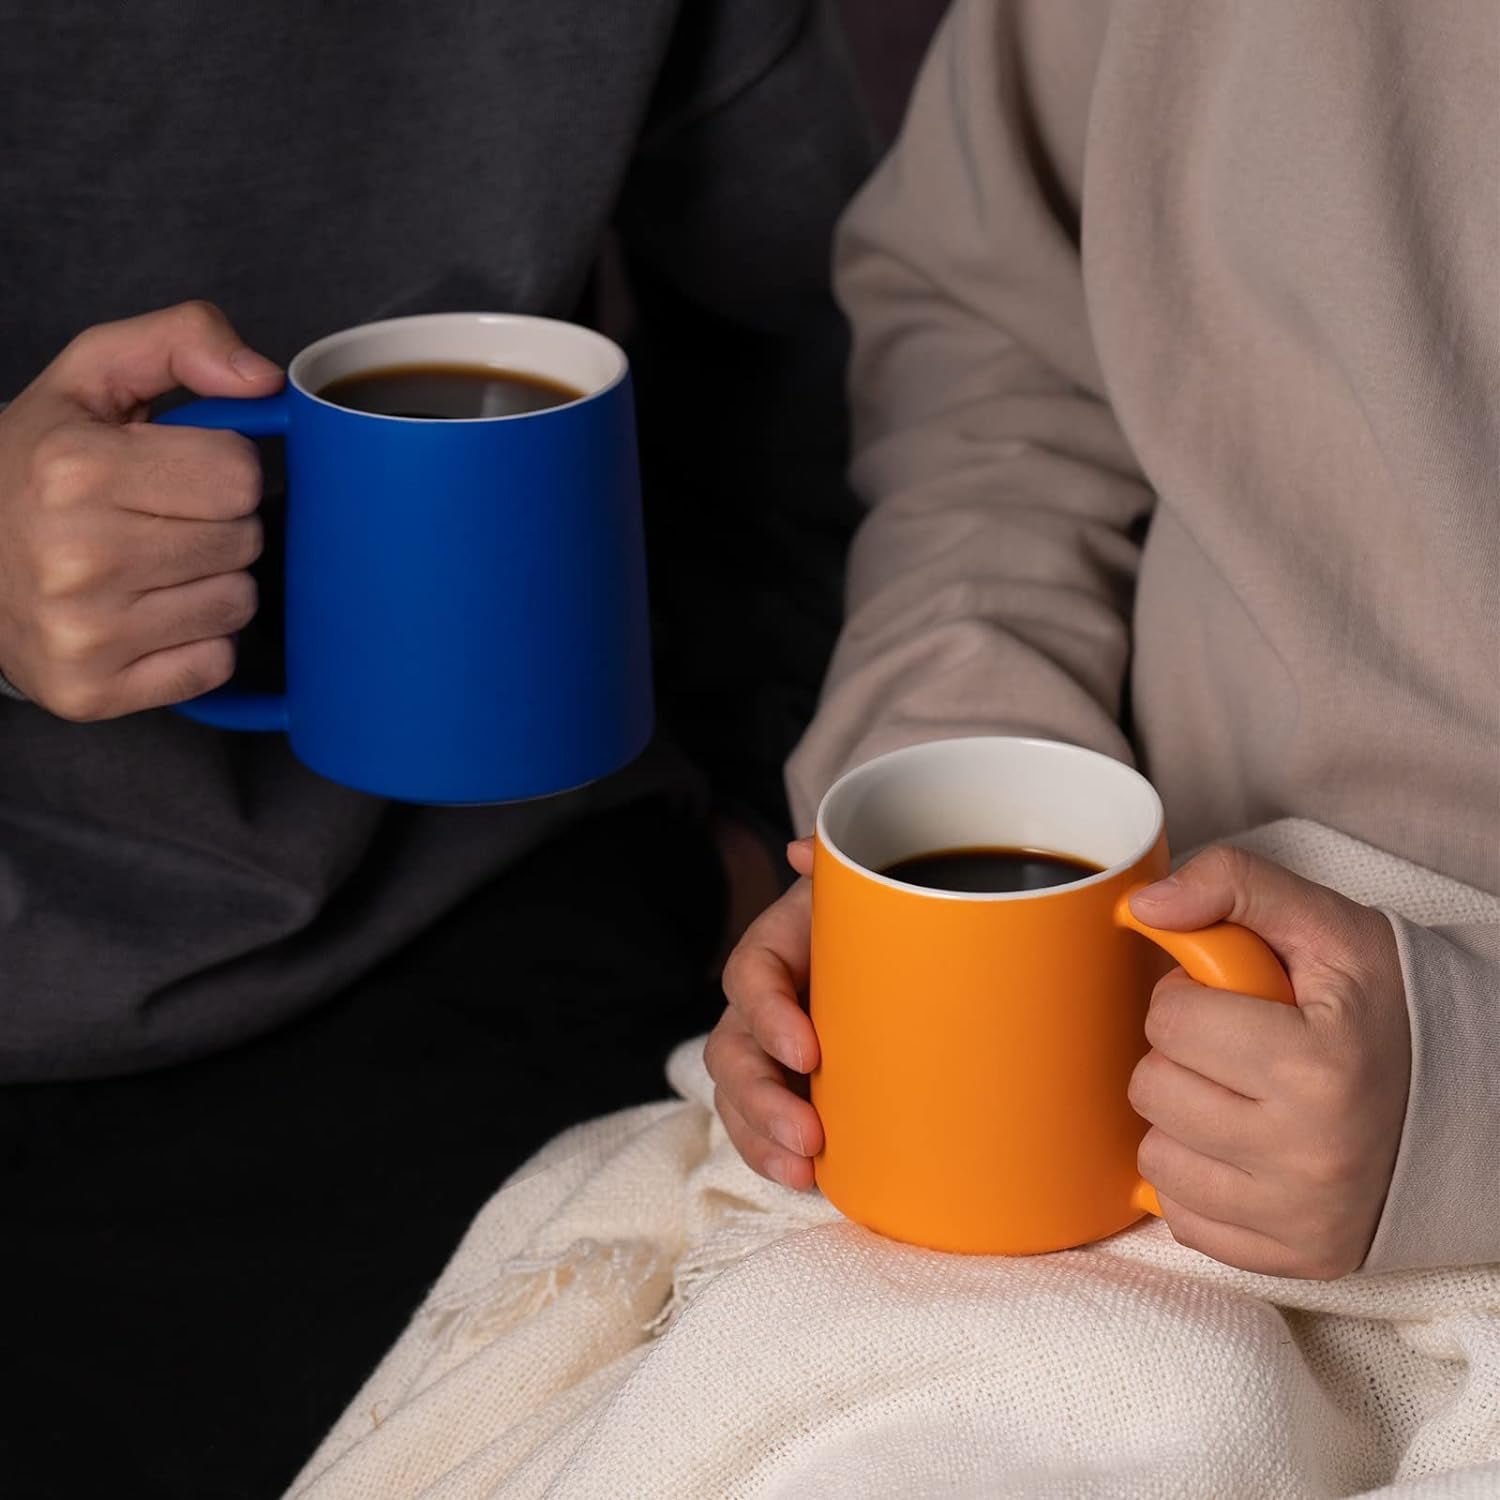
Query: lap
205, 1262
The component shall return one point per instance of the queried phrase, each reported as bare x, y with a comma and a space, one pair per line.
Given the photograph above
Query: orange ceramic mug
976, 1049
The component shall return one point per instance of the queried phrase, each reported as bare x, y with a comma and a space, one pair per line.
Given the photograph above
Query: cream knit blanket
636, 1315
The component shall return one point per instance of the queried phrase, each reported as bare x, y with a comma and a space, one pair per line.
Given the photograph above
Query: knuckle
1163, 1015
220, 666
711, 1055
70, 638
238, 471
733, 977
749, 1144
241, 596
66, 570
1336, 1164
1301, 1080
196, 315
1326, 1086
1309, 1077
1227, 862
1318, 1226
225, 606
64, 469
762, 1100
1150, 1155
252, 541
1287, 1074
760, 1154
212, 667
73, 698
81, 348
1321, 1170
1142, 1090
1189, 1235
84, 339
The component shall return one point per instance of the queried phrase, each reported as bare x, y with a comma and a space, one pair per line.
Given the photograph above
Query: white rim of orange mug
1128, 774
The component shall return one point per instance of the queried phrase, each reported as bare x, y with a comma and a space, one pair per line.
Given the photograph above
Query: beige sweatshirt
1177, 399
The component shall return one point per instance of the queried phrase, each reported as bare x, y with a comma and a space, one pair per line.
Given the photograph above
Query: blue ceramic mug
466, 611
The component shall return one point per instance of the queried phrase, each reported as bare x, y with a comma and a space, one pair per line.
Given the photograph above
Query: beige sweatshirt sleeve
990, 586
1443, 1206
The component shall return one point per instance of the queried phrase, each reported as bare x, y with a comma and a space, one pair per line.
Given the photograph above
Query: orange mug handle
1225, 956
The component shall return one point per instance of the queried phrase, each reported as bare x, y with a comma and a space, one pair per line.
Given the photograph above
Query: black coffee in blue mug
466, 615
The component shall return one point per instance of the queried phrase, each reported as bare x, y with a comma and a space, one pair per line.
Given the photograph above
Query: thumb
799, 855
114, 368
1224, 884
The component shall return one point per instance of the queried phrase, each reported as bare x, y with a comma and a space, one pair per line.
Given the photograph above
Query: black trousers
201, 1265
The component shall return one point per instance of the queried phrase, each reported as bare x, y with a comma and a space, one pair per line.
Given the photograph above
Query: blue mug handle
230, 707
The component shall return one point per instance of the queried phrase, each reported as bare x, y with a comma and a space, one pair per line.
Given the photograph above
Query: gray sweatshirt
166, 889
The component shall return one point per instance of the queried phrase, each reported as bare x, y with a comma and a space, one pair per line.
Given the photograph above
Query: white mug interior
991, 791
563, 352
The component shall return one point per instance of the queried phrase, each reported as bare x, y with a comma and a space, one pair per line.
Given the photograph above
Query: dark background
172, 1422
888, 38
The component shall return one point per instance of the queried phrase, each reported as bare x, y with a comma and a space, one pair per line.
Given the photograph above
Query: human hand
764, 1032
123, 545
1275, 1127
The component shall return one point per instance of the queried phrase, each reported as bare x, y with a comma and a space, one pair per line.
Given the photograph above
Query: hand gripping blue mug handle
230, 707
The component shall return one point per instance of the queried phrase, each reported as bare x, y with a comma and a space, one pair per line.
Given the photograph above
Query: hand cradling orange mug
976, 1047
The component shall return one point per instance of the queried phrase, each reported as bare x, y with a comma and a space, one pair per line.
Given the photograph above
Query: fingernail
1162, 890
789, 1054
249, 365
789, 1135
778, 1171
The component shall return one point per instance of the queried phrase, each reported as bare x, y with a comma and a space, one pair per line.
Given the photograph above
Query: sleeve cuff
1443, 1206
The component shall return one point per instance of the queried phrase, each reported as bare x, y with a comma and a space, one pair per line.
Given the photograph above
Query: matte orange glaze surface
976, 1054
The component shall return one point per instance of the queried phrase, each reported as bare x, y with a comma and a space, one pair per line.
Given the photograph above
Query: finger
1230, 1039
1225, 884
1235, 1245
162, 618
1199, 1113
187, 473
90, 470
165, 551
765, 973
761, 1154
755, 1084
799, 855
152, 681
112, 368
1216, 1189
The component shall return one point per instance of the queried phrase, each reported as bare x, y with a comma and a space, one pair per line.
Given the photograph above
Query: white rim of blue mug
549, 347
